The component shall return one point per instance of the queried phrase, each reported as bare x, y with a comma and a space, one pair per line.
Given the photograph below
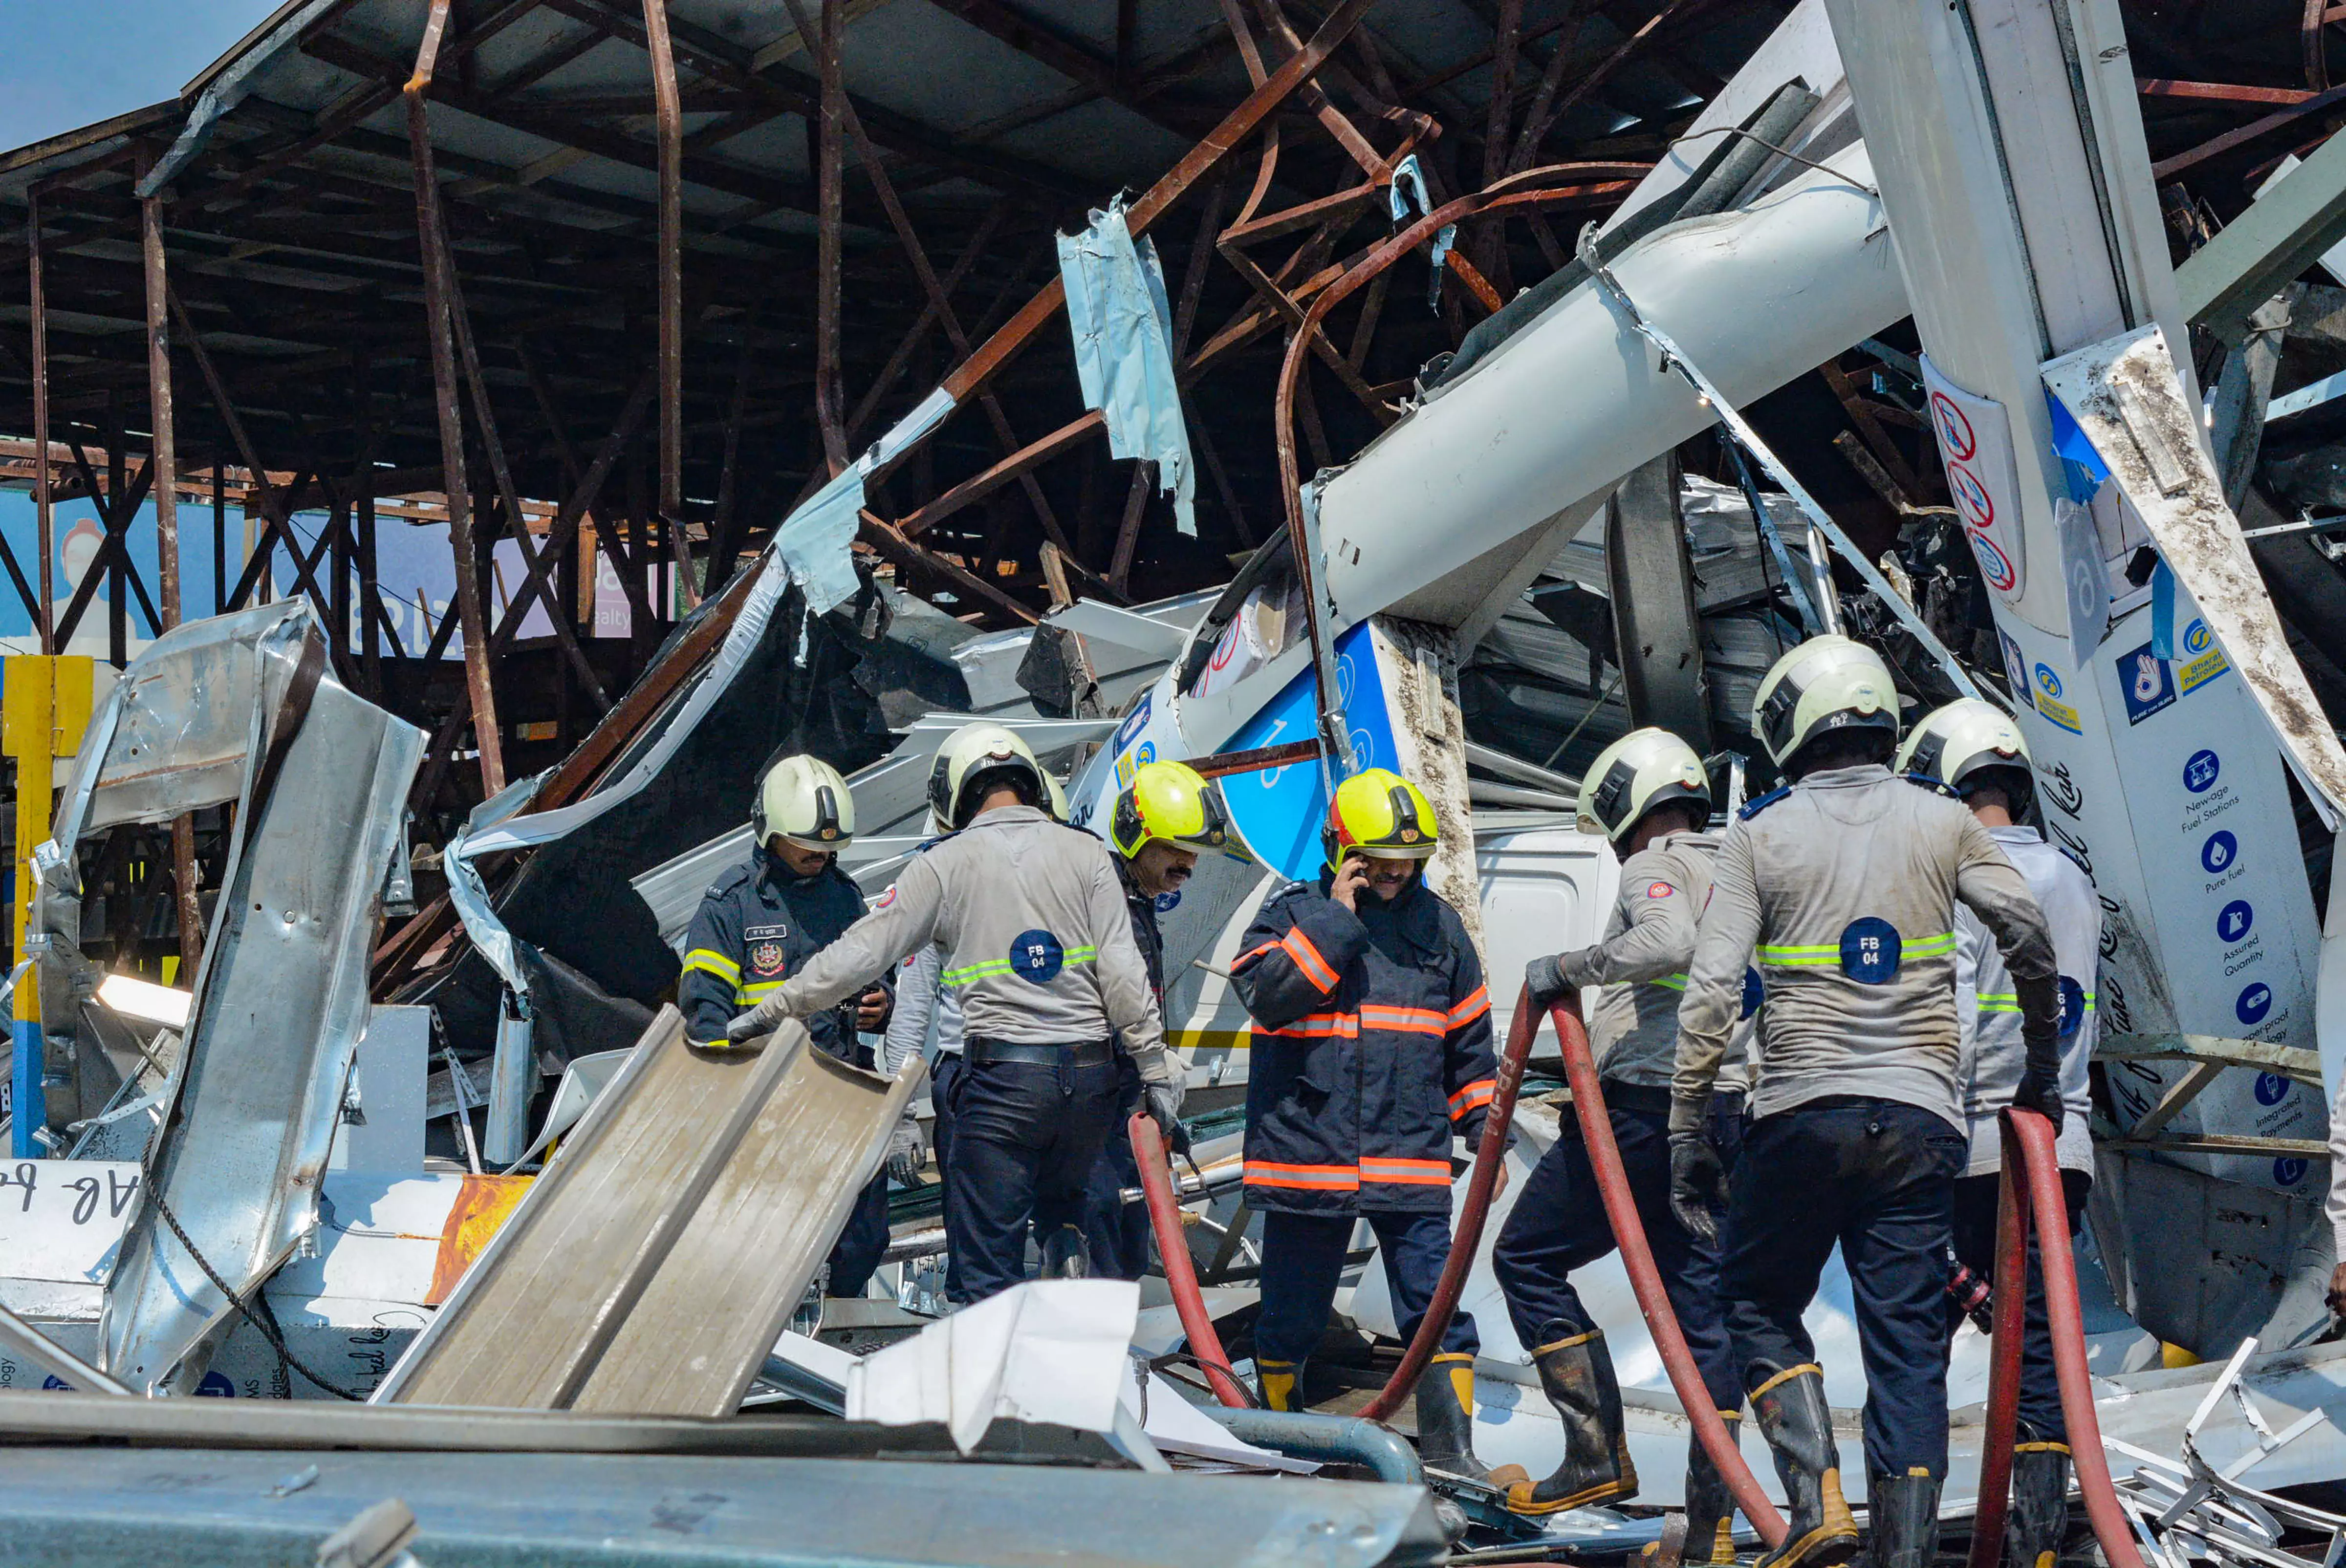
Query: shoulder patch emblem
886, 898
1759, 803
1659, 890
766, 958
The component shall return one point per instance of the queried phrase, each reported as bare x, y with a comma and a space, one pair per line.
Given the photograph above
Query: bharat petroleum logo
2047, 681
2196, 639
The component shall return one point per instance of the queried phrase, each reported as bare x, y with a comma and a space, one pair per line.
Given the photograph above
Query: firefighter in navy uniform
1844, 884
1372, 1051
1974, 748
763, 920
1648, 794
1157, 826
1039, 947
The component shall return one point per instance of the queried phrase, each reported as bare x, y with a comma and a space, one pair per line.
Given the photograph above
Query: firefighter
1977, 750
1648, 794
1157, 826
760, 922
1844, 884
1039, 952
1372, 1051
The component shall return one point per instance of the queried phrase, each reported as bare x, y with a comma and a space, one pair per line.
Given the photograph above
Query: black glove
1698, 1184
2040, 1035
1162, 1102
1544, 977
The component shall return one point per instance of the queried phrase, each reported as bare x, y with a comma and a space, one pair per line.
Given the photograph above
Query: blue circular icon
2196, 638
1754, 993
2200, 771
2047, 681
2233, 921
1871, 950
2289, 1171
1167, 901
2255, 1000
216, 1385
1146, 753
1036, 956
2218, 851
2073, 1006
2272, 1088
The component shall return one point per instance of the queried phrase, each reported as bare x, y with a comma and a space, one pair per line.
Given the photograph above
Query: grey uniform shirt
1038, 941
1641, 965
1843, 888
1987, 1009
927, 1017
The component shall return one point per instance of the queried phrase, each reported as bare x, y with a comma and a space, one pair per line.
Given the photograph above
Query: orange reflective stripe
1318, 1026
1419, 1172
1242, 959
1473, 1097
1477, 1003
1324, 1179
1307, 959
1406, 1019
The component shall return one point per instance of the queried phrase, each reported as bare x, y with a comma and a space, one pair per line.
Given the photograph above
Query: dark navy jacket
757, 924
1144, 935
1371, 1048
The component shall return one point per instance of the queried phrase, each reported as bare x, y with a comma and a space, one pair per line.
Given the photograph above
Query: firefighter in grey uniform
762, 920
1974, 748
1844, 884
1648, 794
1039, 947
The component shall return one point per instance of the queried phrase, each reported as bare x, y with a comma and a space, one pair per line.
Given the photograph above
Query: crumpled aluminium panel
282, 997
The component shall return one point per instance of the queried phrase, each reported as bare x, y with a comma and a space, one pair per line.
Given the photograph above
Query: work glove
1163, 1104
2040, 1035
907, 1151
1545, 977
1698, 1184
763, 1019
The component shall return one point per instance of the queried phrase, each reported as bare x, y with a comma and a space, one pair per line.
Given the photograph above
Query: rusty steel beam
668, 118
828, 184
2240, 136
890, 542
1033, 455
441, 334
2218, 92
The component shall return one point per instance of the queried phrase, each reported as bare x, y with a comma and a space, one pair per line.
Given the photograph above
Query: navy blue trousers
943, 1074
1878, 1177
1304, 1254
2040, 1389
1558, 1224
862, 1242
1024, 1139
1116, 1234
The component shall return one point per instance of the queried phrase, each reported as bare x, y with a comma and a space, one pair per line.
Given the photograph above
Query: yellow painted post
44, 704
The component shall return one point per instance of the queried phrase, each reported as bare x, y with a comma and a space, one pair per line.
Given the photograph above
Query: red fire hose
2032, 1181
1637, 1258
1180, 1273
1480, 1186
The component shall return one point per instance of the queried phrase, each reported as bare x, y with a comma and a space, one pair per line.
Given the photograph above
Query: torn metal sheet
692, 1203
2125, 393
1124, 362
239, 709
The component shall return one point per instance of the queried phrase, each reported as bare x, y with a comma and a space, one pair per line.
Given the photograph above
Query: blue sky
70, 64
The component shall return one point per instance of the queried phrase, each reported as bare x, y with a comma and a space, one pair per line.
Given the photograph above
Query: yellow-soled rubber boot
1445, 1416
1278, 1384
1576, 1374
1791, 1408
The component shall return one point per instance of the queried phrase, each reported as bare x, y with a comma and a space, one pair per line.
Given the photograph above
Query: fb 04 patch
1659, 890
1037, 956
766, 958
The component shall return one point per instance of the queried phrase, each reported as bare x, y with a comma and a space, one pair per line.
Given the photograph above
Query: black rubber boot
1798, 1424
1278, 1384
2040, 1504
1064, 1255
1710, 1505
1445, 1416
1903, 1511
1576, 1374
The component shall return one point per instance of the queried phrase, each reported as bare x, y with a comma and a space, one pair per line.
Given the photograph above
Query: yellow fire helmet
1168, 800
804, 800
1643, 769
1959, 740
1379, 813
1826, 683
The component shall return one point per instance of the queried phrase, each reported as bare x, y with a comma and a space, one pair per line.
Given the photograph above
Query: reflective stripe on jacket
1371, 1048
758, 925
